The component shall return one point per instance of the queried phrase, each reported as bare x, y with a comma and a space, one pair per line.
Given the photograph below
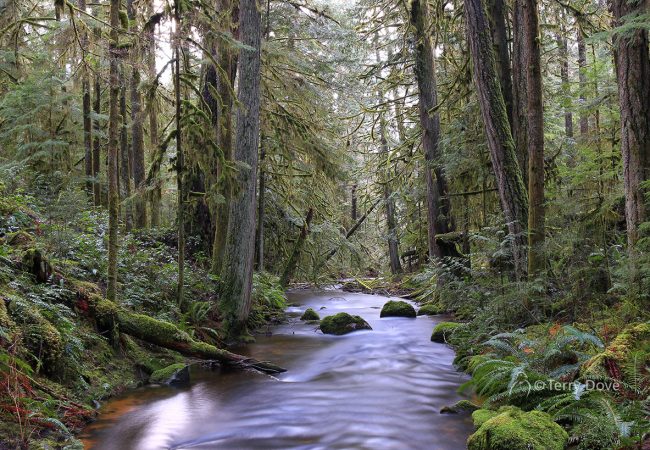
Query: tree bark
633, 73
582, 77
519, 101
137, 134
389, 205
125, 161
155, 194
180, 160
222, 116
86, 106
563, 52
261, 211
535, 114
97, 187
167, 335
512, 193
353, 202
113, 120
439, 216
292, 263
499, 31
237, 269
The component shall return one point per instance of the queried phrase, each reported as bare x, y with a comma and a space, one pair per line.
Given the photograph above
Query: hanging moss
513, 429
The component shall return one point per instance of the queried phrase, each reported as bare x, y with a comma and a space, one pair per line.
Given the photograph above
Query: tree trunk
582, 77
519, 101
97, 187
633, 73
238, 262
535, 114
224, 85
113, 119
563, 51
439, 216
499, 31
180, 161
164, 334
85, 92
353, 201
389, 204
261, 212
137, 135
155, 191
500, 142
125, 160
292, 263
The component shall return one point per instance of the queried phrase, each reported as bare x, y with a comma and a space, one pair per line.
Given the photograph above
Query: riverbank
64, 349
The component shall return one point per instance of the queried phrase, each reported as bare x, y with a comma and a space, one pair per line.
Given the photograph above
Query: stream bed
379, 389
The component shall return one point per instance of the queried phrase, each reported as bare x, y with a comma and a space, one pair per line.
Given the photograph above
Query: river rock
459, 407
510, 428
173, 374
343, 323
399, 308
443, 331
430, 309
310, 315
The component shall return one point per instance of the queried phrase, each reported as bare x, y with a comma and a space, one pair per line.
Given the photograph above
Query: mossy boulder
480, 416
444, 330
510, 428
631, 345
310, 315
399, 308
20, 238
343, 323
430, 309
459, 407
174, 374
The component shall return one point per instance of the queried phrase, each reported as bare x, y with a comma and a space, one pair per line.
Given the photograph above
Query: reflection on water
379, 389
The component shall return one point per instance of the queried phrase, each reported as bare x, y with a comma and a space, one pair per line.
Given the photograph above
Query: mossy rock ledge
310, 315
430, 309
343, 323
174, 374
510, 428
399, 308
443, 331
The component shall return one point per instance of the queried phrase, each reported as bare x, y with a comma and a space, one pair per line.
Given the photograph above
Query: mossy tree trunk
633, 73
519, 102
125, 161
237, 269
224, 82
512, 192
582, 77
137, 134
113, 120
86, 106
499, 30
439, 214
292, 263
535, 116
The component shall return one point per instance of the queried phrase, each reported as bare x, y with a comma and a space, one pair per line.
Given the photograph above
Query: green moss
430, 309
634, 342
310, 314
480, 416
20, 239
167, 374
399, 308
513, 429
458, 407
343, 323
444, 330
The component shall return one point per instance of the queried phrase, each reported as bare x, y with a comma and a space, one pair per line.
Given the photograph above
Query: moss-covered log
167, 335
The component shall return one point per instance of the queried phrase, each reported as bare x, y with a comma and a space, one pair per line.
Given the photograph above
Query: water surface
379, 389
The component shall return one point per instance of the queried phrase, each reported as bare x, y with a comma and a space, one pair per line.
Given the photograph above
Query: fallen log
114, 319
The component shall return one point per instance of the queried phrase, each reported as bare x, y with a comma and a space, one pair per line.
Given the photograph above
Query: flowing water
379, 389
